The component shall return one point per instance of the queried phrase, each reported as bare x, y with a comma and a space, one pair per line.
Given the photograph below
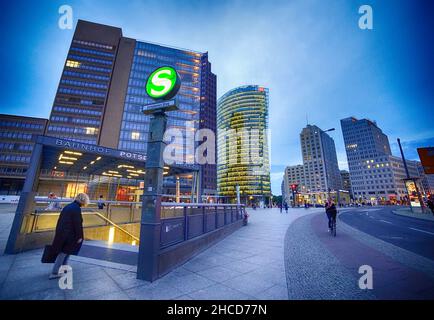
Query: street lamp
324, 160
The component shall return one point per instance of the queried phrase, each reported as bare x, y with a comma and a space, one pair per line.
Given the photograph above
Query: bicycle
333, 228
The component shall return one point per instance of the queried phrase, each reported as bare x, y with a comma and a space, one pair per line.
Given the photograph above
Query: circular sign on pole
163, 83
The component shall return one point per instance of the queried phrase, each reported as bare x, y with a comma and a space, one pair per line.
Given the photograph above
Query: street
411, 234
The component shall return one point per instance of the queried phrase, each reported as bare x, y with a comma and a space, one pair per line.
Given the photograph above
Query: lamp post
325, 163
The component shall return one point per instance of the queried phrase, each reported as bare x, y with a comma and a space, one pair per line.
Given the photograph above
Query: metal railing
107, 222
120, 212
183, 221
179, 221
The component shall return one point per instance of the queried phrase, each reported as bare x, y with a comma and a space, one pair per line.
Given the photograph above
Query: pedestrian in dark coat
69, 232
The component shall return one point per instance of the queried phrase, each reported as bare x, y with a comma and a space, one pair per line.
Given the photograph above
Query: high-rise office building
375, 174
102, 91
16, 145
319, 174
243, 156
320, 160
294, 175
346, 182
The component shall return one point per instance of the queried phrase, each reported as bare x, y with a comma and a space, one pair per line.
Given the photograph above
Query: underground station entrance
181, 227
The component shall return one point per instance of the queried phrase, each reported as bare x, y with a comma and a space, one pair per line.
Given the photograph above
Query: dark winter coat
69, 230
331, 211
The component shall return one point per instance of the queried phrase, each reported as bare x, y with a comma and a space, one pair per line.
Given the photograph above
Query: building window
73, 64
90, 131
135, 135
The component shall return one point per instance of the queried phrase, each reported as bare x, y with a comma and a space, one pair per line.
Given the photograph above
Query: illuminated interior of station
115, 175
66, 173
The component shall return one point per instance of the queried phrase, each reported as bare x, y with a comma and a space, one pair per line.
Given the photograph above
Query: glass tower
147, 58
102, 92
243, 155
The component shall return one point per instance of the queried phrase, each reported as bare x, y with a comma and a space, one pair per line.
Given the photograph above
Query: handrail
179, 204
65, 200
52, 213
182, 204
115, 225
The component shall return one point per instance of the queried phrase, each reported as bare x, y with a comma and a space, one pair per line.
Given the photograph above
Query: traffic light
294, 187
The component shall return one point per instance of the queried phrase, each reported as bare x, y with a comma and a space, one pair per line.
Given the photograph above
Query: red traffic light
294, 186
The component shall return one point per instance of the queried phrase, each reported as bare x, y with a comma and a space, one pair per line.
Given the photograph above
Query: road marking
391, 237
422, 231
386, 221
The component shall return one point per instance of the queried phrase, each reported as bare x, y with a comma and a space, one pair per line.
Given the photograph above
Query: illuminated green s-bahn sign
163, 83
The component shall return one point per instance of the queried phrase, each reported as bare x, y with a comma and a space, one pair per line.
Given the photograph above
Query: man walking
69, 233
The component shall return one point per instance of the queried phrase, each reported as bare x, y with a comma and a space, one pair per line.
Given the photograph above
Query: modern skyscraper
319, 174
82, 98
375, 174
102, 91
320, 160
16, 145
243, 154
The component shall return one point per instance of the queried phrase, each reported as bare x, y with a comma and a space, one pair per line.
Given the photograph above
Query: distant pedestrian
280, 207
286, 207
101, 203
68, 237
53, 205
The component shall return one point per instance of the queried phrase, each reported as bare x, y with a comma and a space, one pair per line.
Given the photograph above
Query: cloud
409, 147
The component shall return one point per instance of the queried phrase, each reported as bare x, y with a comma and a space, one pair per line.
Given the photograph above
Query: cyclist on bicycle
331, 213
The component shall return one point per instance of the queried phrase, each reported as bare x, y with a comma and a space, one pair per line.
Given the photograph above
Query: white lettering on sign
131, 155
81, 146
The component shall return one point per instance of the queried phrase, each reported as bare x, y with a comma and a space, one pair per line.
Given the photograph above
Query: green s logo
163, 83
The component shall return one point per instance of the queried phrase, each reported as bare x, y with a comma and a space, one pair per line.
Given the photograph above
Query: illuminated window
72, 189
90, 131
135, 135
73, 64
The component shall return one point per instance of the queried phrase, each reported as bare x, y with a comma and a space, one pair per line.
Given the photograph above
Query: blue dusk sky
311, 54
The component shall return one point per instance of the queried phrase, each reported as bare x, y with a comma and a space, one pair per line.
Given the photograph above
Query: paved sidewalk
406, 212
248, 264
322, 267
6, 218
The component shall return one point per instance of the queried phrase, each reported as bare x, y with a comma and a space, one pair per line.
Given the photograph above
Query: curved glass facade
242, 144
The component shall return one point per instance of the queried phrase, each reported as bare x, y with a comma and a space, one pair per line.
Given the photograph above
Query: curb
428, 218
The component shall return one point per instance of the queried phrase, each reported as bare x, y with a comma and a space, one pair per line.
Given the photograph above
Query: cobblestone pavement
319, 266
248, 264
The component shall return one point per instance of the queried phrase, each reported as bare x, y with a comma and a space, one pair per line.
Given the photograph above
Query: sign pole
163, 84
149, 247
